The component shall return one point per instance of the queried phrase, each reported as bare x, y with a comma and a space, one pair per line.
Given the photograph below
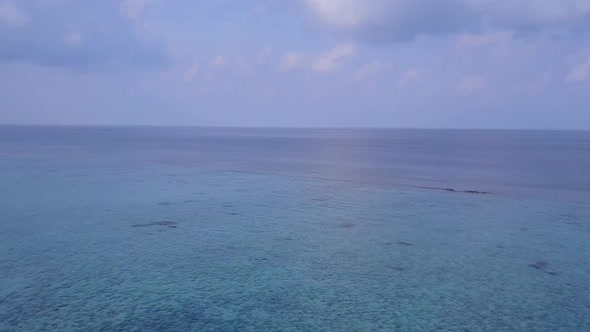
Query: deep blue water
225, 229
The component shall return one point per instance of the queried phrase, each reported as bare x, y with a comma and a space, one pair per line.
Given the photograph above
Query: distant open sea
230, 229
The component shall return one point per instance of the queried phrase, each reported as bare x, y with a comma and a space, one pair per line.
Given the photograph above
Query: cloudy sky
301, 63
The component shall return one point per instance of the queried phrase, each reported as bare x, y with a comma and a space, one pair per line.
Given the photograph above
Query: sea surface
229, 229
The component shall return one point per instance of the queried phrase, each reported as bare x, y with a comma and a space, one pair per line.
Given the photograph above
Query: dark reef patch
539, 265
571, 219
163, 223
455, 190
543, 266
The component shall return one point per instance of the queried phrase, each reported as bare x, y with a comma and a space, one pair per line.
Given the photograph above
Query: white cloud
372, 69
73, 39
344, 14
191, 71
332, 59
468, 40
134, 8
469, 84
218, 62
244, 66
536, 85
531, 13
579, 72
408, 77
264, 55
388, 20
95, 28
293, 60
11, 15
322, 63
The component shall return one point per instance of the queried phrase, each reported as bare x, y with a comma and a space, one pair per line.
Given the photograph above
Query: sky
514, 64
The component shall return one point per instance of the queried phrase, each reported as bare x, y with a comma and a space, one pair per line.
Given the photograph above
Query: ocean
260, 229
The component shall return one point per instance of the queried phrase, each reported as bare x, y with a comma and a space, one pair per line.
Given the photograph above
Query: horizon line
285, 127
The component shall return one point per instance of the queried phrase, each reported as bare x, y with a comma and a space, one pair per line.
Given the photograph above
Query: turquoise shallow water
134, 240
